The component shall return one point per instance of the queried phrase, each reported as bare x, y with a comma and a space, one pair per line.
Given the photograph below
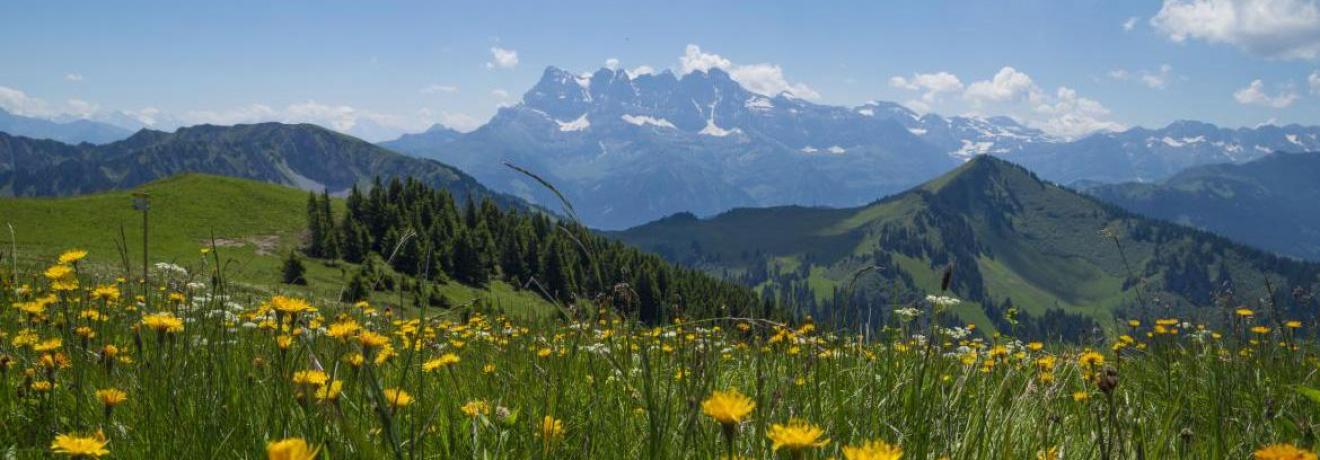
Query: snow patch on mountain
970, 149
579, 124
713, 130
642, 120
758, 103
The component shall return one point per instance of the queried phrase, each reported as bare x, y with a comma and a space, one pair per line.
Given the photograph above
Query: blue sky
380, 68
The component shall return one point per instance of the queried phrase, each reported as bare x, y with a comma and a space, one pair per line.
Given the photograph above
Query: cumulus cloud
766, 79
1283, 29
1007, 85
502, 58
1255, 94
437, 89
500, 93
1071, 116
639, 71
1061, 113
1130, 23
73, 77
932, 85
1314, 82
19, 103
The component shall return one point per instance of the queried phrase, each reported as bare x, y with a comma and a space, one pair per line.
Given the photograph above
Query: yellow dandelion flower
551, 428
1080, 396
111, 397
445, 360
1283, 452
310, 377
330, 392
397, 398
728, 407
874, 450
475, 407
290, 305
72, 256
290, 449
796, 435
1091, 359
1245, 312
80, 446
371, 340
163, 322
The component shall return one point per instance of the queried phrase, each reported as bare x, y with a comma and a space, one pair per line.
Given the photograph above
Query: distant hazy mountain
627, 149
1271, 203
72, 131
1148, 155
305, 156
434, 137
1011, 238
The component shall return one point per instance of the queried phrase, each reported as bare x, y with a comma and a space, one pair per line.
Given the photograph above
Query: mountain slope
1269, 203
627, 148
304, 156
72, 132
254, 224
1011, 237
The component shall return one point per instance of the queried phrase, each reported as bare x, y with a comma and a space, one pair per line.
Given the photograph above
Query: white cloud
437, 89
1007, 85
1158, 79
1071, 116
459, 121
1285, 29
73, 77
612, 63
639, 71
1062, 113
932, 84
81, 108
1255, 94
1314, 82
502, 58
1130, 23
502, 94
766, 79
19, 103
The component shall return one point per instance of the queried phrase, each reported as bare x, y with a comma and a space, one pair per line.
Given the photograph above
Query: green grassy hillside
1011, 238
254, 226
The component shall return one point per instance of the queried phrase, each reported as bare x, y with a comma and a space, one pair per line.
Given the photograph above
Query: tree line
423, 232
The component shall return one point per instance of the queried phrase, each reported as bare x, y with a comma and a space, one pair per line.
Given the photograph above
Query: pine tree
468, 265
294, 272
315, 227
357, 289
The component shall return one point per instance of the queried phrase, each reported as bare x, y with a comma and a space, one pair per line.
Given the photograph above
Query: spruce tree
294, 272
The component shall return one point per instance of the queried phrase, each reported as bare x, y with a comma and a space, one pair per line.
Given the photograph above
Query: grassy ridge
255, 225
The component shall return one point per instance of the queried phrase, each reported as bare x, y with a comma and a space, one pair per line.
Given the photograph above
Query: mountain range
1065, 260
629, 148
304, 156
1269, 203
73, 131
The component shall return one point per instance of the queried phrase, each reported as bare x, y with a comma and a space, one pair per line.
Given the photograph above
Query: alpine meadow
598, 230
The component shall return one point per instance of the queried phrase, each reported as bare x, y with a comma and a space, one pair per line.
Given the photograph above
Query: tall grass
224, 386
